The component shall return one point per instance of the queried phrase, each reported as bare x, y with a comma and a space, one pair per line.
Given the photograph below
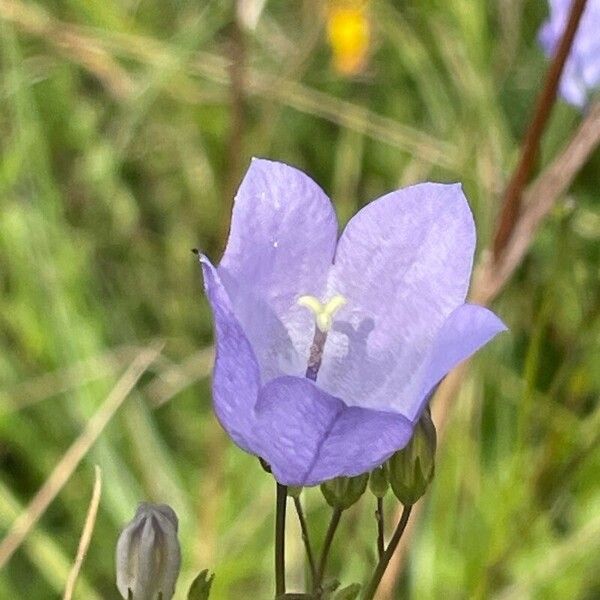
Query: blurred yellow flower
348, 33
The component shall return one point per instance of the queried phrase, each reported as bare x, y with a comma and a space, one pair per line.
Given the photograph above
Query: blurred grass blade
73, 456
86, 535
43, 551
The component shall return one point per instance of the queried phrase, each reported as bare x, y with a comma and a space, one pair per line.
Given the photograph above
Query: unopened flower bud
378, 481
294, 491
411, 469
148, 554
343, 492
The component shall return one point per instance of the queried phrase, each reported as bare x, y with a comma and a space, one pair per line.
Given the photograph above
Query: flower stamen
323, 318
323, 311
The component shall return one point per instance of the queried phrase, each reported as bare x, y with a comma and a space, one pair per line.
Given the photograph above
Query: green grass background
118, 157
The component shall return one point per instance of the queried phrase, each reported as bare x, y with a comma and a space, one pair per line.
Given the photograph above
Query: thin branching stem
369, 591
333, 525
306, 539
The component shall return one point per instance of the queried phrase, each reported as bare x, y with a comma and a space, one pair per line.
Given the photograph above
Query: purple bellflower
581, 74
327, 350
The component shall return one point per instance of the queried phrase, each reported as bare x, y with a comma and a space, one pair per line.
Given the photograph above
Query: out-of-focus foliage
122, 144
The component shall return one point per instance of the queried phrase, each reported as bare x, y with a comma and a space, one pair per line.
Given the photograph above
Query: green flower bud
411, 469
343, 492
148, 554
378, 481
294, 491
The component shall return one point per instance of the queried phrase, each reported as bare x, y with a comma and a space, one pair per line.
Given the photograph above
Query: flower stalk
333, 525
306, 540
369, 591
280, 540
380, 528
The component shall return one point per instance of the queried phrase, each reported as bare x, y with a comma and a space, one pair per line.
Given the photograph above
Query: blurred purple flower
323, 390
581, 74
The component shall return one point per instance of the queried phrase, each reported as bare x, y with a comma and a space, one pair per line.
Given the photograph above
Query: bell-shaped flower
581, 74
148, 554
327, 350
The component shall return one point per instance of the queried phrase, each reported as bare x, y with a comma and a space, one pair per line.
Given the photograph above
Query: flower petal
403, 263
464, 332
281, 244
236, 379
309, 436
360, 440
572, 88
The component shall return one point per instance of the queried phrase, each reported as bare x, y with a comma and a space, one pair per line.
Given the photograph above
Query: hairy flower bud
148, 554
411, 469
343, 492
378, 481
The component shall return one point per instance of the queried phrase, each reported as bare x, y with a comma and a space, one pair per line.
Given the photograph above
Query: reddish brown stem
511, 204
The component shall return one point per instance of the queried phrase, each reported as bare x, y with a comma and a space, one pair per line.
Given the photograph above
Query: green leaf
200, 588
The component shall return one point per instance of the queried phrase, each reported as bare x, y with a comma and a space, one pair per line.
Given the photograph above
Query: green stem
306, 540
369, 591
380, 531
333, 525
280, 540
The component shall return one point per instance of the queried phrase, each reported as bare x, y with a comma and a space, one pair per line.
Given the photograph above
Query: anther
323, 312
